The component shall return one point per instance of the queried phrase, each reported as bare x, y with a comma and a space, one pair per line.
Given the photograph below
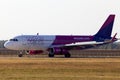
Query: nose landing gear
20, 54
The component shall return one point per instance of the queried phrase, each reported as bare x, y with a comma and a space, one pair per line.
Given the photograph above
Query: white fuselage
29, 42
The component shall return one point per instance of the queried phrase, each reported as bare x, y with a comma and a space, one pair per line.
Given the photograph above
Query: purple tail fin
106, 29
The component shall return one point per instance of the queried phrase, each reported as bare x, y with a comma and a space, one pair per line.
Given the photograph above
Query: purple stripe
60, 40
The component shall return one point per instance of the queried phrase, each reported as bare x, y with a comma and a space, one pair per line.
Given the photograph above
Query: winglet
114, 37
111, 40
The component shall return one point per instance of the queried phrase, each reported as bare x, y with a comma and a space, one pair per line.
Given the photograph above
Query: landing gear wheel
51, 55
68, 55
20, 55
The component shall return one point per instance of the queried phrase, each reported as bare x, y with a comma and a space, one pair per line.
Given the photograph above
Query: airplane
61, 44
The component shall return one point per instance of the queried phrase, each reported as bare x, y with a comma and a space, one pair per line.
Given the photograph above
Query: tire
68, 55
20, 55
51, 55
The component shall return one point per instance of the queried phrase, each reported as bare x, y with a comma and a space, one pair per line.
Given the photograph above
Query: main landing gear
52, 52
67, 55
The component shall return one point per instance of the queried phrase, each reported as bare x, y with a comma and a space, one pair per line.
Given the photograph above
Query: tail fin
106, 29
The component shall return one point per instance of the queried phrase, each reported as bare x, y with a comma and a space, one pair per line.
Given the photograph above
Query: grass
59, 69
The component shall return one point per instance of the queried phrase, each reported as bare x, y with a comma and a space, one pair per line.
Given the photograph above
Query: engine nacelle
34, 52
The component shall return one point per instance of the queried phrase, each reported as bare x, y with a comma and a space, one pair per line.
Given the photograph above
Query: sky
56, 17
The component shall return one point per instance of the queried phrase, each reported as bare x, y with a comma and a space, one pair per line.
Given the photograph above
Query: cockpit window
13, 39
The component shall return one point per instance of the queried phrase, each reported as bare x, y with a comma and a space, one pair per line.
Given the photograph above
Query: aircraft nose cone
7, 45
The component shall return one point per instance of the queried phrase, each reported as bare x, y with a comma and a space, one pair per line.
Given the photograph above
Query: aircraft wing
92, 43
82, 45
